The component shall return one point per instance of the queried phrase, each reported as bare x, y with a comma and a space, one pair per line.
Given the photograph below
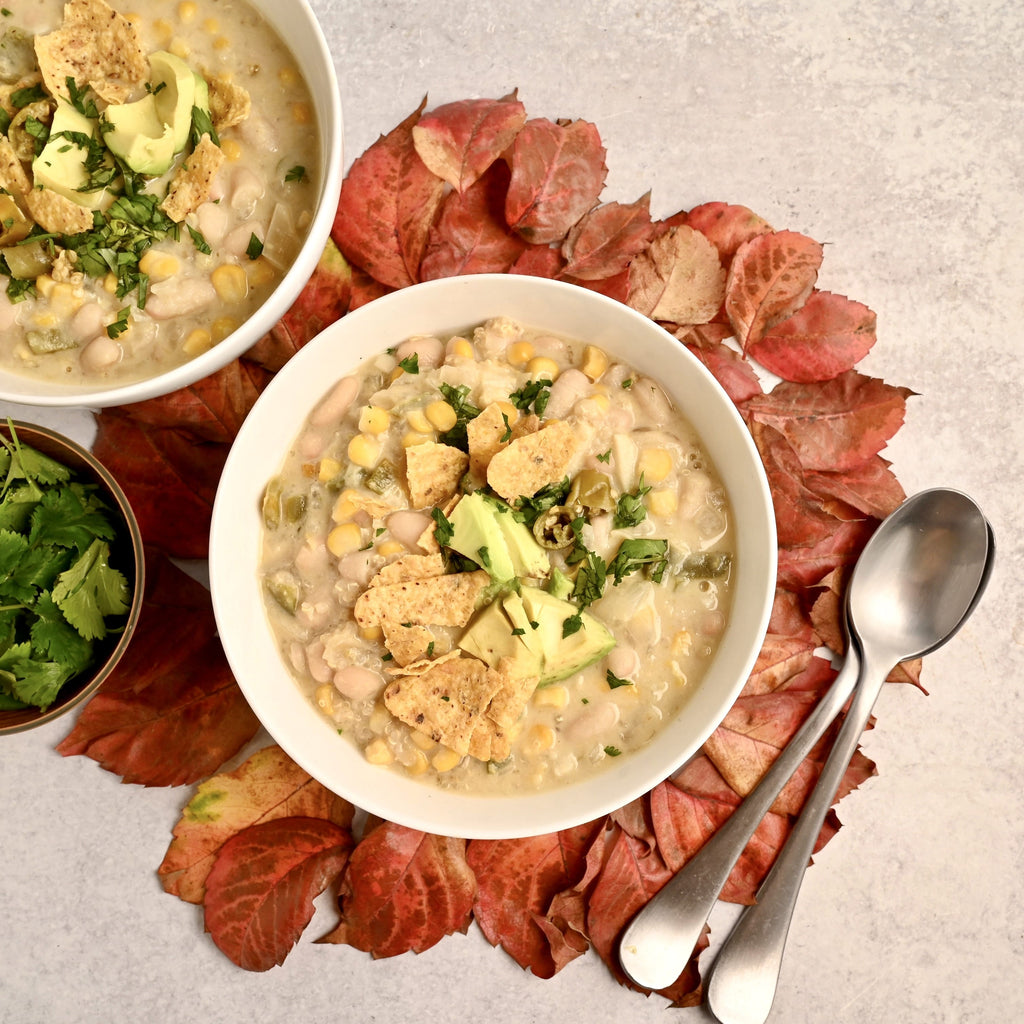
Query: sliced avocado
173, 84
560, 585
493, 636
564, 655
139, 137
61, 166
486, 531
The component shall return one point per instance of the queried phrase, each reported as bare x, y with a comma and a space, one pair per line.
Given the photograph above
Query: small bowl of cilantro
71, 575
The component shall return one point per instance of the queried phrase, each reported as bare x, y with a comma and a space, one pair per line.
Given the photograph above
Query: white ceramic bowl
445, 307
298, 27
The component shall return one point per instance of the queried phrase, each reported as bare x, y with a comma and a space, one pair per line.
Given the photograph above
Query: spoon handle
745, 974
655, 947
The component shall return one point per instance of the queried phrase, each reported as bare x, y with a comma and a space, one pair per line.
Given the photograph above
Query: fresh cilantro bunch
58, 593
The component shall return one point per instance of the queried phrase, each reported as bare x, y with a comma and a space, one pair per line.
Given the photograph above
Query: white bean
179, 296
88, 321
237, 240
356, 682
358, 566
624, 661
318, 668
312, 443
571, 386
212, 220
597, 720
336, 403
311, 559
246, 191
429, 351
408, 526
100, 354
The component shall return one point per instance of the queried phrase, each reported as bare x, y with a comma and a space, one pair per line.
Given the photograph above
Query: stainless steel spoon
943, 548
658, 942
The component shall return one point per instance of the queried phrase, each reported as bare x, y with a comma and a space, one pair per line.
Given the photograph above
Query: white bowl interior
298, 27
444, 307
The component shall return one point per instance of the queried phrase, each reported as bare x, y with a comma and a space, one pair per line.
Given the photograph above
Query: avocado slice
494, 636
139, 137
487, 532
60, 166
173, 84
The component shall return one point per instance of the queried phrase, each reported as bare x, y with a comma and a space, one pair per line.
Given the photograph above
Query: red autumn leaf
803, 566
827, 336
770, 278
558, 172
726, 225
470, 236
835, 425
459, 141
538, 261
389, 201
365, 289
268, 785
211, 409
616, 287
606, 239
517, 880
169, 476
171, 713
789, 617
870, 488
260, 891
678, 278
781, 657
404, 890
727, 366
324, 299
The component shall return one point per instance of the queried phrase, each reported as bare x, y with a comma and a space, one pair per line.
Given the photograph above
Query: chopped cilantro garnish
605, 457
507, 434
636, 553
535, 393
120, 325
80, 99
627, 383
614, 682
529, 509
411, 364
254, 250
201, 244
465, 410
443, 530
296, 173
202, 124
590, 579
21, 98
484, 558
612, 751
630, 509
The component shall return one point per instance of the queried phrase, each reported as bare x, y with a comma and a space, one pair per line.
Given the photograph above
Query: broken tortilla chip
487, 434
438, 601
56, 213
409, 567
13, 178
433, 471
94, 46
229, 103
531, 462
191, 186
408, 643
511, 698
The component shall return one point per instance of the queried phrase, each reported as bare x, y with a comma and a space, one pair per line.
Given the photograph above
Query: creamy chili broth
635, 537
226, 250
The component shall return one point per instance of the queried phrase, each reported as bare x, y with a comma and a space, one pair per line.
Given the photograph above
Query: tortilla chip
446, 703
374, 507
56, 213
423, 665
13, 178
229, 103
407, 643
433, 471
437, 601
489, 743
531, 462
95, 46
192, 185
427, 541
510, 701
487, 434
409, 567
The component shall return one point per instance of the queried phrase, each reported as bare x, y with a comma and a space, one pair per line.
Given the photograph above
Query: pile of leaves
469, 187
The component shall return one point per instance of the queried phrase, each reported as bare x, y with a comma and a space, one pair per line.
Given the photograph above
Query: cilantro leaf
529, 509
614, 681
630, 509
91, 590
411, 364
535, 393
443, 530
636, 553
465, 410
590, 579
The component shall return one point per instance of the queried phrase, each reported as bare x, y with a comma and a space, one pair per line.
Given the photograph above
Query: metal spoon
944, 549
657, 944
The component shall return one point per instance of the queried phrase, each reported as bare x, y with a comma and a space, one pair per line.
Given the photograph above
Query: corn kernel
662, 502
380, 718
344, 509
163, 28
519, 353
417, 419
328, 470
422, 740
110, 283
542, 366
551, 697
324, 697
180, 48
595, 362
374, 420
344, 539
261, 272
65, 299
160, 266
460, 348
510, 412
211, 25
441, 415
597, 405
44, 285
655, 464
445, 760
231, 149
413, 438
390, 548
288, 77
187, 10
222, 43
378, 752
538, 739
199, 340
417, 763
364, 451
230, 282
372, 634
222, 327
302, 113
45, 320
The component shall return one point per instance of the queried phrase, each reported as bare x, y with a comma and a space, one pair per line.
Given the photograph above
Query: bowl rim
327, 103
237, 596
134, 538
